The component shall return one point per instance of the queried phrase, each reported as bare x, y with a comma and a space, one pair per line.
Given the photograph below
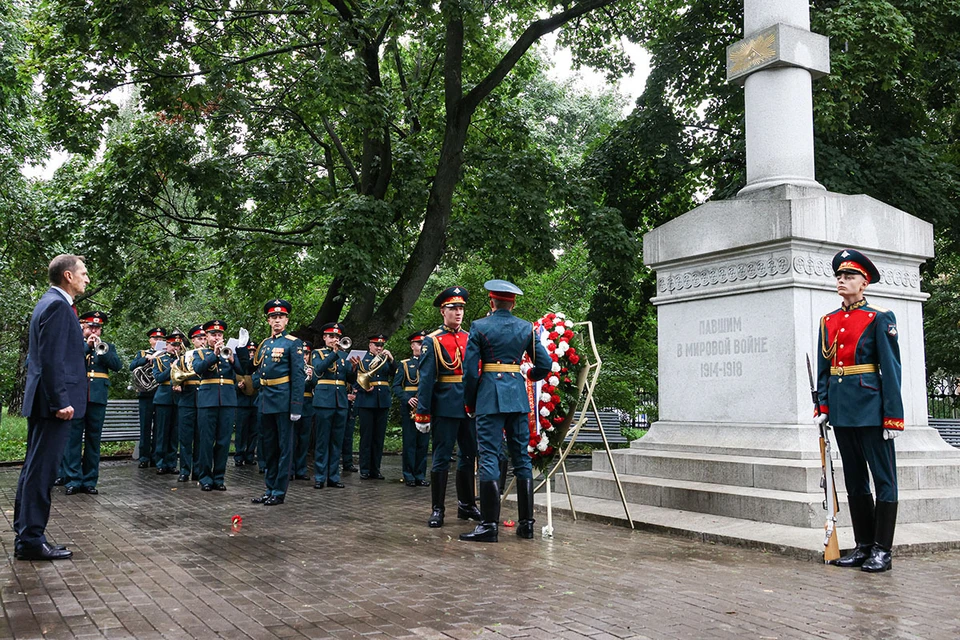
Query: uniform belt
217, 381
165, 384
501, 368
97, 374
343, 382
270, 382
449, 378
308, 394
190, 383
409, 388
853, 370
382, 383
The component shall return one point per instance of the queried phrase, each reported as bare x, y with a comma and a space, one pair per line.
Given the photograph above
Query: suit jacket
859, 368
56, 370
501, 339
98, 372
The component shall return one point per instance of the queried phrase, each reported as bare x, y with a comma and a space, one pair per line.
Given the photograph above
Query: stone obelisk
741, 285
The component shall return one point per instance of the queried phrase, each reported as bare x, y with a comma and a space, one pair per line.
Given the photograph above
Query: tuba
143, 380
364, 376
181, 373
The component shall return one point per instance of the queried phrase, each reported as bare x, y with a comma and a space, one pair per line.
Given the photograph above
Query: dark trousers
415, 445
862, 447
165, 432
327, 452
346, 452
216, 427
491, 428
245, 435
373, 430
277, 449
302, 434
145, 404
189, 437
447, 432
46, 439
81, 457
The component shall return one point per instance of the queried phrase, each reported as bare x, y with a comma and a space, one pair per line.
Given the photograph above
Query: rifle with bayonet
831, 548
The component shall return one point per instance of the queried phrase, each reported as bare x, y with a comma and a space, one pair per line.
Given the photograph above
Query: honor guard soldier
216, 405
279, 375
246, 434
188, 431
440, 408
145, 398
82, 468
334, 374
165, 406
303, 429
375, 371
415, 443
859, 393
495, 389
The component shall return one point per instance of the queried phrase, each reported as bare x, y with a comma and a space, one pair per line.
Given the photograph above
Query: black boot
486, 531
503, 475
438, 493
861, 514
881, 556
466, 500
525, 507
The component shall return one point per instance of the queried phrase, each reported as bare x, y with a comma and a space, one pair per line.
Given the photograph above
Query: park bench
121, 421
949, 429
590, 431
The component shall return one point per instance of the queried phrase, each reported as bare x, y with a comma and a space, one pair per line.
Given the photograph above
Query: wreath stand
589, 374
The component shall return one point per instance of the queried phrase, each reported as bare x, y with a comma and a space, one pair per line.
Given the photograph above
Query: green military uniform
165, 403
415, 443
303, 429
189, 433
373, 409
145, 402
333, 373
216, 409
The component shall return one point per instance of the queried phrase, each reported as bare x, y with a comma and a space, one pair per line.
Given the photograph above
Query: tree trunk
15, 405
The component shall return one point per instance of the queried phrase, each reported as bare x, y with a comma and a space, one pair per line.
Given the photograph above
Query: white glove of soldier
423, 427
294, 417
243, 338
820, 419
890, 434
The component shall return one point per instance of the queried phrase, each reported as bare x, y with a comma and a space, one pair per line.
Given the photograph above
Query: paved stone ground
156, 559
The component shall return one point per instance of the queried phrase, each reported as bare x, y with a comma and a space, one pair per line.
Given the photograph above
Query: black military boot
525, 507
861, 514
503, 475
881, 556
466, 500
486, 531
438, 493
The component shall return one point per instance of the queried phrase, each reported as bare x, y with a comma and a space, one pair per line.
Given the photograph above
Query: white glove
294, 417
820, 419
243, 338
890, 434
423, 427
471, 415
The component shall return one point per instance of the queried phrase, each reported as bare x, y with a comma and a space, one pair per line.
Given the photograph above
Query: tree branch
343, 153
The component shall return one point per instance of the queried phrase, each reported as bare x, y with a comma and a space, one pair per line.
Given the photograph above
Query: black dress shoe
143, 465
410, 483
44, 551
377, 475
206, 487
16, 543
220, 487
262, 499
301, 477
59, 482
238, 463
350, 469
183, 477
364, 476
262, 471
161, 471
318, 485
72, 490
273, 501
422, 483
335, 485
91, 491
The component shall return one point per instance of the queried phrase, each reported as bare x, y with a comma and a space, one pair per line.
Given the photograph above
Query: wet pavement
158, 559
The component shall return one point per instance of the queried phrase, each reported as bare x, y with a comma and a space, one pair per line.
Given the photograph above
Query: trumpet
225, 351
100, 347
345, 343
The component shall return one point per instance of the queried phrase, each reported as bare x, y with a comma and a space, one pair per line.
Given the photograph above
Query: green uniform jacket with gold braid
279, 374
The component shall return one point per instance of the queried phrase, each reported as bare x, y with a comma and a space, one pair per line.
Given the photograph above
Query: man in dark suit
55, 394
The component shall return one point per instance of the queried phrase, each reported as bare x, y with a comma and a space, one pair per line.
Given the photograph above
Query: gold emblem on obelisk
751, 53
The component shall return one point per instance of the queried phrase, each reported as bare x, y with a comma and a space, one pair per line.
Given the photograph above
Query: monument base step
800, 542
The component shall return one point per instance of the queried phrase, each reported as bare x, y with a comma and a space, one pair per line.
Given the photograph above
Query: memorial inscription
722, 346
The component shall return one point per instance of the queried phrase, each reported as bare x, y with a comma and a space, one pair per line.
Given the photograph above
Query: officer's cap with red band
95, 318
195, 331
452, 297
502, 290
277, 306
157, 332
215, 325
852, 261
332, 328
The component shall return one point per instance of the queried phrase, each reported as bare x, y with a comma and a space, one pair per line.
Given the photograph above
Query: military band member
145, 398
495, 389
246, 434
82, 469
373, 404
859, 393
279, 375
415, 443
188, 432
216, 405
303, 429
440, 408
165, 406
334, 374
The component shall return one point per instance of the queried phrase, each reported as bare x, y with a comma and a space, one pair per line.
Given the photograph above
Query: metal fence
943, 399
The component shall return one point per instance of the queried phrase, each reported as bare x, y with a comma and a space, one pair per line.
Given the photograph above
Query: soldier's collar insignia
862, 302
